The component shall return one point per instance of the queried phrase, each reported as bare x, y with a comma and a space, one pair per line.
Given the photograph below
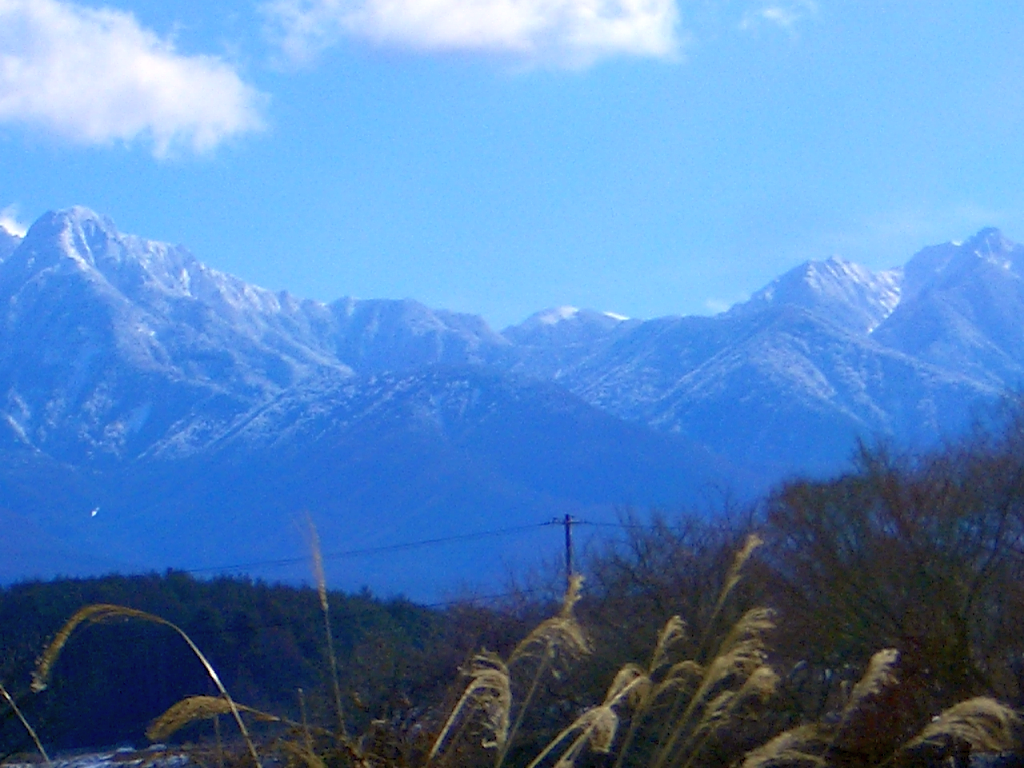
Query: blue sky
647, 157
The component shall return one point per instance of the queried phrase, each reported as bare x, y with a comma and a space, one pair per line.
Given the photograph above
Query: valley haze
157, 413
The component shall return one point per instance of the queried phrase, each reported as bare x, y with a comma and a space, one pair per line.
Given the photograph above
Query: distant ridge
202, 414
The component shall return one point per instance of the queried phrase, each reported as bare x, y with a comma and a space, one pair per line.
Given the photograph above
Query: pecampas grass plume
818, 743
977, 725
596, 728
195, 708
488, 697
982, 723
489, 693
708, 697
686, 703
677, 707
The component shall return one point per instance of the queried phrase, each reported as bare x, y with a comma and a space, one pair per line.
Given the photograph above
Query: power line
623, 526
375, 550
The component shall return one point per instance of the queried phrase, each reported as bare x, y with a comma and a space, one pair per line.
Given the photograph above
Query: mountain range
155, 412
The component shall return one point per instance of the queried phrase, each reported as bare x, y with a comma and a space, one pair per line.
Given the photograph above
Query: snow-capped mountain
108, 341
845, 293
789, 380
373, 336
964, 310
554, 341
199, 413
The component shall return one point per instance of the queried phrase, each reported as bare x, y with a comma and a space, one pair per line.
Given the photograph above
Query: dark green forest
833, 622
265, 640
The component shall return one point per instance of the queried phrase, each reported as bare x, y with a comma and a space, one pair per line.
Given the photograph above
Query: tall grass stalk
732, 580
696, 716
220, 744
325, 609
559, 634
700, 699
597, 726
699, 685
489, 690
28, 726
95, 614
981, 724
194, 708
672, 633
305, 719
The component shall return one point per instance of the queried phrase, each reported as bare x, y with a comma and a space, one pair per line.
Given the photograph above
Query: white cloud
785, 15
570, 33
9, 221
95, 76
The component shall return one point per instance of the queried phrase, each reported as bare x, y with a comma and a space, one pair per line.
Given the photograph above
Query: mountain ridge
168, 393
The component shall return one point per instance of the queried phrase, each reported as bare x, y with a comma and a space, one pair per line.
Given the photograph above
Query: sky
645, 157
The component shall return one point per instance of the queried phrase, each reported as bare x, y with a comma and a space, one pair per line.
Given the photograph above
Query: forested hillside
266, 641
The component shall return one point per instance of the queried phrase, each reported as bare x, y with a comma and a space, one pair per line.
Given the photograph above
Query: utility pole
568, 523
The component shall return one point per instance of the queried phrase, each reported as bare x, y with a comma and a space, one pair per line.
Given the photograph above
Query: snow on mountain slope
796, 393
553, 341
107, 340
564, 325
964, 309
373, 336
181, 399
385, 459
779, 391
824, 355
97, 322
842, 292
174, 289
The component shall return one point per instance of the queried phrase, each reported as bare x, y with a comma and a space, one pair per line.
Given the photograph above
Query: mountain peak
76, 237
556, 315
841, 291
990, 238
991, 245
565, 325
81, 216
951, 263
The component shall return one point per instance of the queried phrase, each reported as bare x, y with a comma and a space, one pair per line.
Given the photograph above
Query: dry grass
982, 723
488, 697
321, 590
596, 728
709, 697
196, 708
975, 725
25, 723
95, 614
797, 746
678, 705
679, 709
879, 676
489, 693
